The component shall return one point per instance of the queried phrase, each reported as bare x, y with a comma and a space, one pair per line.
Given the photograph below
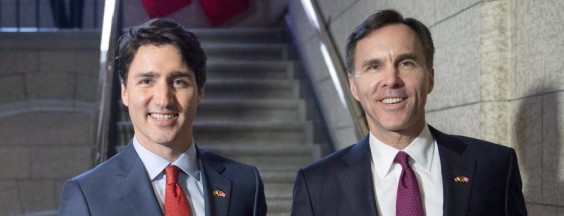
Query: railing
38, 15
336, 67
107, 95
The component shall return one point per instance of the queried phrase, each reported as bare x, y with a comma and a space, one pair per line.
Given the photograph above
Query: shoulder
356, 154
118, 165
471, 146
226, 166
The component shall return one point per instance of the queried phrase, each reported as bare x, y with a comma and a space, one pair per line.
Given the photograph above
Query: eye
373, 67
145, 81
407, 64
180, 83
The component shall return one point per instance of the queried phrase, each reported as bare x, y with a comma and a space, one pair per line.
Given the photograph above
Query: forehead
391, 40
157, 58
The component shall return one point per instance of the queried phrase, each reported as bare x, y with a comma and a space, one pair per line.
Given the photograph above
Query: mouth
393, 100
163, 117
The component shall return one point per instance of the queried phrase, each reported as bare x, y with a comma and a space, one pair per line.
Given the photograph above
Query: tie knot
172, 174
403, 159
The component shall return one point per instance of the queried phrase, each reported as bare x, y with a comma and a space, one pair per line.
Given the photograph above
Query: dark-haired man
404, 166
161, 171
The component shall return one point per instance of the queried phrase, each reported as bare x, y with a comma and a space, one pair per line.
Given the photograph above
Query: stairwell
253, 110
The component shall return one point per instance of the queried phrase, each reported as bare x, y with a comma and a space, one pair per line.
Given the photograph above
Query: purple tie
408, 202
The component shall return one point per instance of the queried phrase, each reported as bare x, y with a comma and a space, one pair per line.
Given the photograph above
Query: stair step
279, 206
252, 110
266, 133
240, 35
255, 88
249, 69
255, 52
237, 132
261, 155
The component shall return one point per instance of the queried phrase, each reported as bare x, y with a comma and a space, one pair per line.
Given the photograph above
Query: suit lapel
214, 182
134, 185
455, 166
356, 180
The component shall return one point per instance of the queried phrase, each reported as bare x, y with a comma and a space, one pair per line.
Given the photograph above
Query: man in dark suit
161, 171
404, 166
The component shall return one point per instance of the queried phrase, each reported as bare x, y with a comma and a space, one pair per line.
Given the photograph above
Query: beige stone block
526, 129
457, 61
75, 61
332, 9
14, 61
47, 128
494, 119
527, 59
50, 86
544, 210
341, 27
551, 43
86, 88
15, 162
463, 120
11, 89
37, 195
446, 9
60, 162
424, 11
58, 187
494, 51
553, 148
9, 201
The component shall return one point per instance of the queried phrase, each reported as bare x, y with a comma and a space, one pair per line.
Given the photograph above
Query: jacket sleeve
301, 204
73, 202
260, 208
514, 203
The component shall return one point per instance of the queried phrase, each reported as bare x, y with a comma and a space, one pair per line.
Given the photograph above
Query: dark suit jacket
121, 186
341, 183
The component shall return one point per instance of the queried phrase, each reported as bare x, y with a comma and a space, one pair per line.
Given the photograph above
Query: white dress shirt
189, 179
425, 162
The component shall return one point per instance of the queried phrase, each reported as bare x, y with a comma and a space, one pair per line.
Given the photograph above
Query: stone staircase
253, 110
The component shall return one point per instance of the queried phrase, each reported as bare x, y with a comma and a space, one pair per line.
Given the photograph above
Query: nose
391, 78
164, 96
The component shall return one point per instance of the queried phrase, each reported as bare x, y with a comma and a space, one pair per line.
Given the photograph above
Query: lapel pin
461, 179
219, 193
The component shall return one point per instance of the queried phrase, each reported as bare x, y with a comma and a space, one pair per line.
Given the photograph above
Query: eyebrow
174, 74
145, 74
372, 61
405, 56
178, 74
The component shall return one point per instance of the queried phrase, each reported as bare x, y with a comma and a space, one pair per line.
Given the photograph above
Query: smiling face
391, 81
162, 97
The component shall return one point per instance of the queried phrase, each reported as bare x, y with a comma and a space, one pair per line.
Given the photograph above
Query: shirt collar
420, 150
155, 164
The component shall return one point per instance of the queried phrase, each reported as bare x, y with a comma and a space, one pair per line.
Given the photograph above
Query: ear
352, 85
431, 80
200, 94
124, 96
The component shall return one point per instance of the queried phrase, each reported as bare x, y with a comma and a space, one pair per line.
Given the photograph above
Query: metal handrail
336, 67
111, 28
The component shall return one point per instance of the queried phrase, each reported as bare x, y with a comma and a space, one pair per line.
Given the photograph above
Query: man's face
162, 97
391, 80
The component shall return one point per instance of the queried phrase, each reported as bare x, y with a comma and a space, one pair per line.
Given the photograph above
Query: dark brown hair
384, 18
159, 32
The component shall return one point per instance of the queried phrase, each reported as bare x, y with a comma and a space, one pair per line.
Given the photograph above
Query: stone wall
48, 92
498, 77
